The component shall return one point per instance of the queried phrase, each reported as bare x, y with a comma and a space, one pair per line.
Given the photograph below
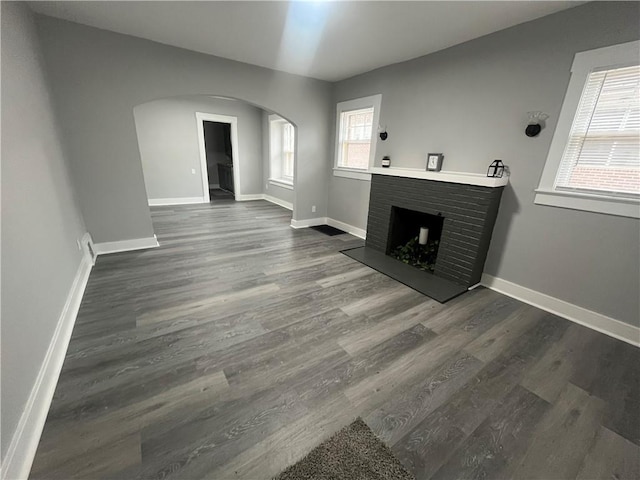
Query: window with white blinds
593, 163
602, 154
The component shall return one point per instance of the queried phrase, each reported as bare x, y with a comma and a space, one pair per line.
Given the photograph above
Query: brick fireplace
461, 209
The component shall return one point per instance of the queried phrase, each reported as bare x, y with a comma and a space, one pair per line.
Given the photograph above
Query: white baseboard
126, 245
277, 201
588, 318
248, 197
309, 222
88, 248
263, 196
24, 443
355, 231
156, 202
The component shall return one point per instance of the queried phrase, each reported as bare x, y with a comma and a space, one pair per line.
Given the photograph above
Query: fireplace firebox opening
414, 237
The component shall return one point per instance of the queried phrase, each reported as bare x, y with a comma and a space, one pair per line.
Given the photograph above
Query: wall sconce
536, 123
383, 132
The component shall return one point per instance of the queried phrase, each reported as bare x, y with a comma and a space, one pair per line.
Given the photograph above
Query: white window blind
356, 128
602, 155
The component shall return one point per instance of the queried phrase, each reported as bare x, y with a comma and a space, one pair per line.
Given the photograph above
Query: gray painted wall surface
470, 102
349, 199
98, 77
40, 219
169, 147
282, 193
269, 188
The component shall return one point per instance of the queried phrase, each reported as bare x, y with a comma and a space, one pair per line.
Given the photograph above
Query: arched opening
193, 147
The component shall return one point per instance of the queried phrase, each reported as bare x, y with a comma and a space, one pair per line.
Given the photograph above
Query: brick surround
469, 213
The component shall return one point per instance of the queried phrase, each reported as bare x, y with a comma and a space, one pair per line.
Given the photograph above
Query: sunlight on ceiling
302, 35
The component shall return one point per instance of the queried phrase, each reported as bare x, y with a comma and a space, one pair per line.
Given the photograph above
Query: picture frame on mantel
434, 162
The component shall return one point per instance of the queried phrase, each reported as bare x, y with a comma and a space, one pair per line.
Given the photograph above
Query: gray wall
470, 102
169, 148
40, 219
98, 77
276, 191
349, 198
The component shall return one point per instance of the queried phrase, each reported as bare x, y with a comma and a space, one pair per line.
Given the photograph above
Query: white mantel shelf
442, 176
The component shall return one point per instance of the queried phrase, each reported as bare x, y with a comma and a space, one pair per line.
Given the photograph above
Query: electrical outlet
313, 209
193, 171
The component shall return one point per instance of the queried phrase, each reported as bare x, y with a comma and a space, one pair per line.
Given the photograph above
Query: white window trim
583, 64
282, 180
279, 182
352, 173
357, 104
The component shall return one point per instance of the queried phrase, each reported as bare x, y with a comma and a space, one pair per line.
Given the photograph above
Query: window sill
281, 183
353, 174
622, 207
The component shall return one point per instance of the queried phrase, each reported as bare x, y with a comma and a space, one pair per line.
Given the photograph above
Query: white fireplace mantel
442, 176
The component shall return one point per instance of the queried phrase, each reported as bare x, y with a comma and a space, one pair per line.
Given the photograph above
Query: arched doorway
180, 168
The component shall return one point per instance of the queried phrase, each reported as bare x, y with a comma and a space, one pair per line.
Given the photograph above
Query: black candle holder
496, 169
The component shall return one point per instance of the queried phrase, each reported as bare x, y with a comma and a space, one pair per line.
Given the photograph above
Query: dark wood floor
240, 344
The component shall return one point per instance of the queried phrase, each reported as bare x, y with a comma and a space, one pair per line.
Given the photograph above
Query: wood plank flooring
240, 344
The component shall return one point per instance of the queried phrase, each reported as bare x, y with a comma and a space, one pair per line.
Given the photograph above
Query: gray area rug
353, 453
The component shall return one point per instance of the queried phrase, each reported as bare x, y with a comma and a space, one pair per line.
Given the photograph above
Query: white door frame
235, 157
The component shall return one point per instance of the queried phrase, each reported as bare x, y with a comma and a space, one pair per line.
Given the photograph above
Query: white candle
424, 234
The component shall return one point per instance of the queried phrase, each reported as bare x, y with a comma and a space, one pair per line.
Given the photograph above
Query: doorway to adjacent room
217, 137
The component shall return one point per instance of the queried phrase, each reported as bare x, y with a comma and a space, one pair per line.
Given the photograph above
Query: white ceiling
326, 40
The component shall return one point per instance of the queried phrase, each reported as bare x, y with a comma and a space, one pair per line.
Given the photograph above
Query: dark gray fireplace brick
469, 213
